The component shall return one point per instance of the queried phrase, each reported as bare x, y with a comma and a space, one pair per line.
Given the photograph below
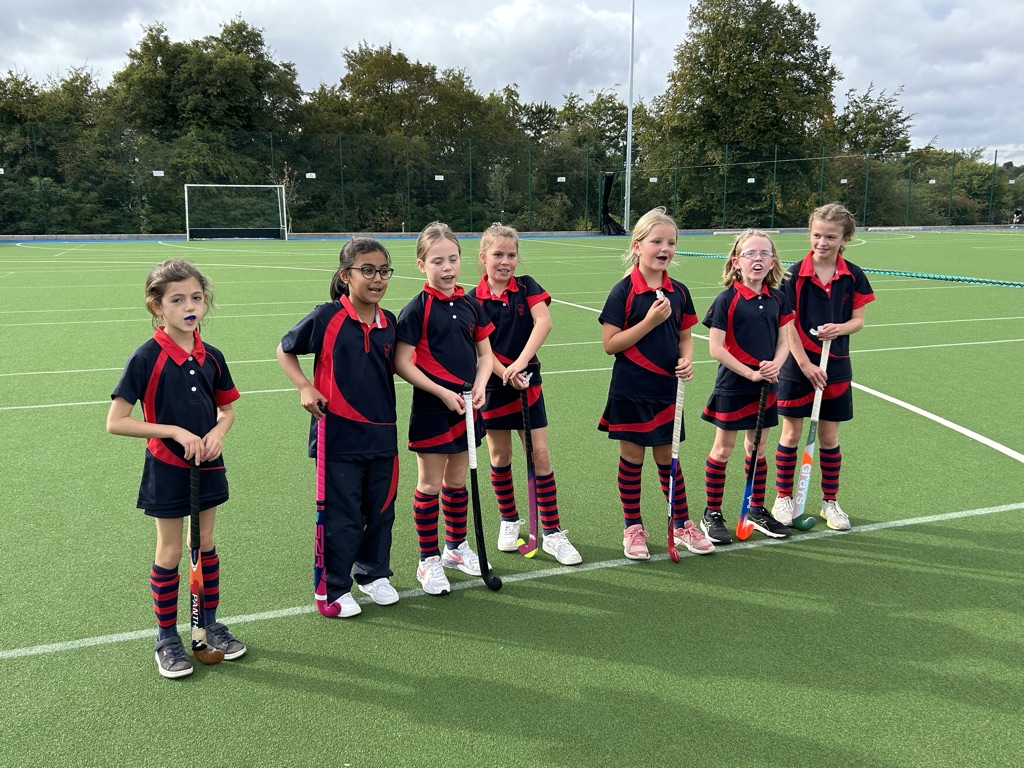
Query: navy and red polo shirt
177, 387
752, 322
509, 313
444, 331
646, 371
354, 369
815, 304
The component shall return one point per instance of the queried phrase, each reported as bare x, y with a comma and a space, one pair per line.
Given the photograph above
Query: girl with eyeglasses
352, 339
746, 337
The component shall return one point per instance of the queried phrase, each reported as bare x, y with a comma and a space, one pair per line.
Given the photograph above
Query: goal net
224, 211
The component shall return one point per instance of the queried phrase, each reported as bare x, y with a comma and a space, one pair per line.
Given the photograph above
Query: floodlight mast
629, 118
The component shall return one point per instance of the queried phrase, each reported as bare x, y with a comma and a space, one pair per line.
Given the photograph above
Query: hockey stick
330, 610
743, 526
677, 432
800, 522
529, 548
200, 650
492, 581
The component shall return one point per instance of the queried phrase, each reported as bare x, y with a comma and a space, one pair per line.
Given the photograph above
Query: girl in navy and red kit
829, 295
747, 337
518, 308
186, 393
353, 340
442, 347
646, 324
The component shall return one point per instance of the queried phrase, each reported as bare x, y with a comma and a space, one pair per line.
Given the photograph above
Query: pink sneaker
691, 537
634, 543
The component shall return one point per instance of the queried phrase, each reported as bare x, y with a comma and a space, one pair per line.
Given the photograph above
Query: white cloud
959, 62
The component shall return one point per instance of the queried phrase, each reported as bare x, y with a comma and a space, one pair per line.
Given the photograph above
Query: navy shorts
165, 489
647, 423
504, 409
796, 399
739, 412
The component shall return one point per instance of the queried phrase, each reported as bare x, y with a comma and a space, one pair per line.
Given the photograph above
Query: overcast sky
960, 62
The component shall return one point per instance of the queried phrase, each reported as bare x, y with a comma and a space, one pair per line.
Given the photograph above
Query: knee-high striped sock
629, 491
714, 483
454, 507
760, 478
504, 492
424, 516
785, 466
210, 563
547, 503
831, 463
680, 509
163, 582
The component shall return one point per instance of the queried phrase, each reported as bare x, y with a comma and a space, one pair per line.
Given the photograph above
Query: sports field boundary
569, 571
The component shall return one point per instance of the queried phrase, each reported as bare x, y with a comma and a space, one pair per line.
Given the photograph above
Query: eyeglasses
766, 255
368, 271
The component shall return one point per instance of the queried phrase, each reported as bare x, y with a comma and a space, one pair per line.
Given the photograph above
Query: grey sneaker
219, 636
782, 510
171, 659
835, 517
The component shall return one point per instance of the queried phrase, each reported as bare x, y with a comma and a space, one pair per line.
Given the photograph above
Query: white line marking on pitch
141, 634
1015, 455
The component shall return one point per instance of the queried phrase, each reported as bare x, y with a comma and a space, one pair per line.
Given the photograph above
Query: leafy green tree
875, 123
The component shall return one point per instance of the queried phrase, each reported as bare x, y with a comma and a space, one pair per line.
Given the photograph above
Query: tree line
747, 133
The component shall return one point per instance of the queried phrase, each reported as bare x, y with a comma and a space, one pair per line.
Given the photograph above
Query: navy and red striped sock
760, 479
831, 463
785, 466
629, 491
504, 492
425, 507
163, 582
680, 508
714, 483
547, 503
455, 508
210, 563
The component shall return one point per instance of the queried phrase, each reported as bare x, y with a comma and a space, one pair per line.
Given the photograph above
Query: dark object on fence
609, 226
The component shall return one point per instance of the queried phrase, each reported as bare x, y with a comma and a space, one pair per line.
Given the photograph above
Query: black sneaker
760, 518
219, 637
713, 525
171, 659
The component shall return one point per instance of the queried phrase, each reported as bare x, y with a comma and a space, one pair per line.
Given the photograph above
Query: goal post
243, 211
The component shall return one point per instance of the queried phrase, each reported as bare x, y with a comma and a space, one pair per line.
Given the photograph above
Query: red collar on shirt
458, 292
380, 320
483, 290
175, 351
807, 266
746, 293
639, 282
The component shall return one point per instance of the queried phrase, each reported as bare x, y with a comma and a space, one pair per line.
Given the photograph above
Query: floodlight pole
629, 118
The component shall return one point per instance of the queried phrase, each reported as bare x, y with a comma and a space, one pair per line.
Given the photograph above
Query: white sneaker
380, 591
835, 517
347, 606
557, 545
782, 510
508, 535
463, 558
431, 576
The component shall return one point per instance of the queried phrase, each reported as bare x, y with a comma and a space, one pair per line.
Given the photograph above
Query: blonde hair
173, 271
732, 273
496, 231
642, 228
434, 231
835, 213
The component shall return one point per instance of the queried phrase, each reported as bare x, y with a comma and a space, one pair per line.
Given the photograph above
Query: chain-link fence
74, 180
